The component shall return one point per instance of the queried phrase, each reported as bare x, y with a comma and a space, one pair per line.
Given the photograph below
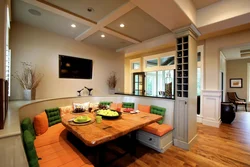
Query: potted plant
112, 81
29, 80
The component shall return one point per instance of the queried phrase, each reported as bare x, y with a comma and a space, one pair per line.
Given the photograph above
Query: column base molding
184, 145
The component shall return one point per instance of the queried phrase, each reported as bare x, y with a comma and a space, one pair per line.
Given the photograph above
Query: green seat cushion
26, 124
159, 111
128, 105
105, 103
53, 115
30, 149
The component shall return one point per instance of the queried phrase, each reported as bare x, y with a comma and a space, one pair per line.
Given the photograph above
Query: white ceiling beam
60, 12
116, 34
150, 43
107, 20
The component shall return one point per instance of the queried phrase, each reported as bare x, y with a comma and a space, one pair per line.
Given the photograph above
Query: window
152, 63
198, 81
7, 51
167, 61
160, 83
135, 65
198, 56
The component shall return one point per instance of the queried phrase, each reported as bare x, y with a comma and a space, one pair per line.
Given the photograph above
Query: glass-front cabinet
138, 83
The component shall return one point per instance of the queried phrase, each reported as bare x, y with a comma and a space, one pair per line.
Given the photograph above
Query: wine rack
182, 67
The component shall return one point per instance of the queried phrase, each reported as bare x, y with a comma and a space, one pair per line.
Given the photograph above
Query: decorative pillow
159, 111
41, 124
27, 125
53, 115
65, 110
144, 108
30, 149
128, 105
84, 106
105, 103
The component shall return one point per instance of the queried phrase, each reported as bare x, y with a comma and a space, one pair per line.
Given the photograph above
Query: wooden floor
227, 146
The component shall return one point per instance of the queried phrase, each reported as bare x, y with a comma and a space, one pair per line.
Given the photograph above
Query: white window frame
137, 60
158, 57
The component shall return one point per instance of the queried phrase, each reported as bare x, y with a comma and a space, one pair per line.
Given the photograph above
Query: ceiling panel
138, 25
47, 20
80, 7
109, 41
203, 3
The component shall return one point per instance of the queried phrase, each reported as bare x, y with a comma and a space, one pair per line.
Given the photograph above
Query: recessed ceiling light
34, 12
122, 25
73, 25
103, 36
90, 9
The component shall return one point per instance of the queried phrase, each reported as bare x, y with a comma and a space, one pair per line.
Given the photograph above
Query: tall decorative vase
29, 94
112, 91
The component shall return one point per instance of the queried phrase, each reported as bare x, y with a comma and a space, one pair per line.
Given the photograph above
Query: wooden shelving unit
182, 67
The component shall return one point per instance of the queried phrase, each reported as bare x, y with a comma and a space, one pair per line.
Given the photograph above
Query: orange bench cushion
54, 134
41, 123
61, 153
158, 129
144, 108
115, 106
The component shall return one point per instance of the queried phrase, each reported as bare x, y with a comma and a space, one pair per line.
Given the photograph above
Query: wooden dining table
95, 134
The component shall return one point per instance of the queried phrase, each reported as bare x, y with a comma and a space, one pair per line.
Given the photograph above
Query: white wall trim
211, 108
199, 118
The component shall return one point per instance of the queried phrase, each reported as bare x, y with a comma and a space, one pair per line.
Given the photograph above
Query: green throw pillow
128, 105
105, 103
27, 125
30, 149
159, 111
53, 115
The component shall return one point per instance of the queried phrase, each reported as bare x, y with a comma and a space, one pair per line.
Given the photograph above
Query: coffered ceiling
203, 3
129, 24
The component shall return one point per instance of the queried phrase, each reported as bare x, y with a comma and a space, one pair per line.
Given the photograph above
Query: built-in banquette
14, 154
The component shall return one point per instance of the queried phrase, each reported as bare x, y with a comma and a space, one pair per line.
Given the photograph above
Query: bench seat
157, 129
55, 150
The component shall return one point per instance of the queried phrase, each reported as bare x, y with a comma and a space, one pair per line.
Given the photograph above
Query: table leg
100, 155
133, 143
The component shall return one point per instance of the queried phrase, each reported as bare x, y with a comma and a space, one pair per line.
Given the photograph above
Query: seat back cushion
30, 149
41, 123
113, 106
27, 125
159, 111
105, 103
128, 105
53, 115
65, 110
144, 108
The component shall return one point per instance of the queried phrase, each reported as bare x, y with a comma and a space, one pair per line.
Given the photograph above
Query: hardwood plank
227, 146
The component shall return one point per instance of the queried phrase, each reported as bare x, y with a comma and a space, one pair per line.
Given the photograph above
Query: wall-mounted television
74, 67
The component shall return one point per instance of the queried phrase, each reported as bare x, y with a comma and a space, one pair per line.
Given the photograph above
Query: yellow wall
237, 69
42, 48
128, 76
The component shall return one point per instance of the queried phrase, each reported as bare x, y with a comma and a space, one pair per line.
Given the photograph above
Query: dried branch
112, 80
29, 79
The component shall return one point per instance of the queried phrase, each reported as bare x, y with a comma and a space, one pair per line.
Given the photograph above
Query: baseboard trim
185, 145
199, 118
211, 123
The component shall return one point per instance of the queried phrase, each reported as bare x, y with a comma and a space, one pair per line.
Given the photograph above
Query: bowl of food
108, 113
82, 119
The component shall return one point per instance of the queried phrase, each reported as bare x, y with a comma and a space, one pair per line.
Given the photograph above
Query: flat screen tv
74, 67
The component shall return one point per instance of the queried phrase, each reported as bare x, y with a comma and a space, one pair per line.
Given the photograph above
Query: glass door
138, 83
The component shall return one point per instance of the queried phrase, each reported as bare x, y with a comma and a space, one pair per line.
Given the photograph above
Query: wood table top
95, 134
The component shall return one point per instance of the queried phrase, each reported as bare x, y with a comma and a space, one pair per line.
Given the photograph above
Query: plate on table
109, 114
81, 119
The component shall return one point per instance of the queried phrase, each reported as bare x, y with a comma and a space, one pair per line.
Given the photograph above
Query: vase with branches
112, 81
29, 80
